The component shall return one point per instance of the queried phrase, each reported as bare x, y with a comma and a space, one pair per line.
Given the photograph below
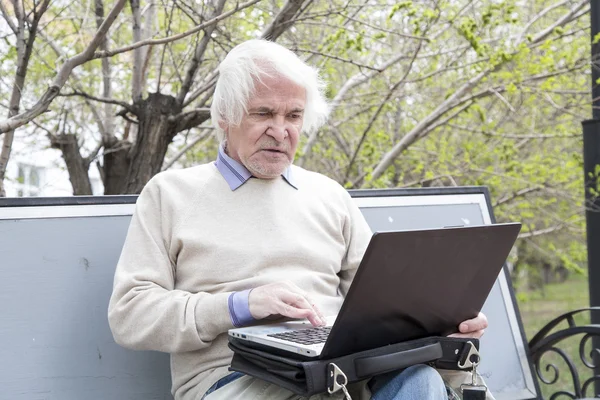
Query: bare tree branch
510, 136
351, 83
559, 22
540, 15
421, 182
385, 30
528, 183
104, 123
517, 194
162, 56
136, 84
378, 111
206, 132
148, 30
190, 119
24, 50
154, 42
283, 20
8, 19
92, 156
540, 232
563, 109
207, 88
500, 89
63, 74
198, 55
123, 104
107, 122
334, 57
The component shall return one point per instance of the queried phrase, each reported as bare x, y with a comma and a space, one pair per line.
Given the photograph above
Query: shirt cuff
239, 308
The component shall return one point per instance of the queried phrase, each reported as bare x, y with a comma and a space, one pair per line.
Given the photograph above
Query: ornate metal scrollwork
544, 343
562, 393
588, 362
555, 370
586, 384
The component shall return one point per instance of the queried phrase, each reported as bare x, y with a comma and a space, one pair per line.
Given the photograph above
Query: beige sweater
192, 242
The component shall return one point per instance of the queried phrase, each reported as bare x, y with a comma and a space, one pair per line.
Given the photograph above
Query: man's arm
357, 234
145, 310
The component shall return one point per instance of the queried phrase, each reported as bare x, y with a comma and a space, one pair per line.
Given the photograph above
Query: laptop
409, 285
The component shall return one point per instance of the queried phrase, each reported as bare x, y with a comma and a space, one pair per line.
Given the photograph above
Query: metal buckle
336, 380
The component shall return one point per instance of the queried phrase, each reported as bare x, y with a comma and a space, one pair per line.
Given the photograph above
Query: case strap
374, 365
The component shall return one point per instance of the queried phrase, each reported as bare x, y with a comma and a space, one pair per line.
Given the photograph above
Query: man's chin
267, 175
267, 171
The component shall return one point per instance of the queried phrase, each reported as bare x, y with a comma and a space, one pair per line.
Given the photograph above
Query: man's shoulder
191, 175
182, 182
315, 181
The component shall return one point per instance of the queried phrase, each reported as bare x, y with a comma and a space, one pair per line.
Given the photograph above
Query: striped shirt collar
236, 174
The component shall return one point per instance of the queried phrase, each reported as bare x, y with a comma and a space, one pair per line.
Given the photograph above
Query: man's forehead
275, 95
266, 107
276, 83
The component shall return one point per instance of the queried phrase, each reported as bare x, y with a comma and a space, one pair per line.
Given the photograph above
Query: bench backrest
57, 262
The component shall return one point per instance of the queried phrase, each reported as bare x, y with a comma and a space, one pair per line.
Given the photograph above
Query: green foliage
399, 6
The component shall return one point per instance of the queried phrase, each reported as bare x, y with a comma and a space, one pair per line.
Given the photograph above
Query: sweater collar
236, 174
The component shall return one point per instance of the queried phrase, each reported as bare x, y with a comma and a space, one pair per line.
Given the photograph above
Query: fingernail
463, 327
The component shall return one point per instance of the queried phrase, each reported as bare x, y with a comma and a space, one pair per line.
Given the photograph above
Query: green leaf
397, 7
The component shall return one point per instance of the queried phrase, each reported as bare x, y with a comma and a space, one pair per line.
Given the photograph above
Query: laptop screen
400, 209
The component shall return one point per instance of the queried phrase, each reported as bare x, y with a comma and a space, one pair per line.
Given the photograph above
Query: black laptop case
307, 377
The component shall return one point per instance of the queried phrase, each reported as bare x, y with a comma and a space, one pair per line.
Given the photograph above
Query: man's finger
472, 325
302, 302
471, 335
290, 311
320, 314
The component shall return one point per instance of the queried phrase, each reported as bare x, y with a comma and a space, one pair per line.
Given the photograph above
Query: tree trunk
155, 133
76, 164
116, 164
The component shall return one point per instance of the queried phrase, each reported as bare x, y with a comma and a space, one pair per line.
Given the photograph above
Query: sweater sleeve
357, 235
146, 312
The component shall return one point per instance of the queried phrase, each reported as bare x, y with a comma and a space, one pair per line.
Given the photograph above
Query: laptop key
304, 336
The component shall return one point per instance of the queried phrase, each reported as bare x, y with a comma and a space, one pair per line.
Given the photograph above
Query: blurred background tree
423, 93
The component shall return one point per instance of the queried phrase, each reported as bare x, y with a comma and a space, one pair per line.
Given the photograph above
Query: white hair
245, 64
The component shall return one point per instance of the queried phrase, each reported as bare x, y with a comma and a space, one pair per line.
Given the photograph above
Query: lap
249, 388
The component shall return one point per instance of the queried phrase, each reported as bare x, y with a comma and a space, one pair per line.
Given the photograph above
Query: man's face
265, 142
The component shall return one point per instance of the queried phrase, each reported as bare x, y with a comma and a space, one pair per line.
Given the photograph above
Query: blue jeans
222, 382
417, 382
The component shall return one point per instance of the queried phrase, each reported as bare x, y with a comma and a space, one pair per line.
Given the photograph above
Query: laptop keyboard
305, 336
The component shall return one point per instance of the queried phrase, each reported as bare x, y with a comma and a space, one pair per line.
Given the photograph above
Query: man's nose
278, 129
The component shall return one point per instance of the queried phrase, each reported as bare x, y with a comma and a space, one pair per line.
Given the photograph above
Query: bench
58, 259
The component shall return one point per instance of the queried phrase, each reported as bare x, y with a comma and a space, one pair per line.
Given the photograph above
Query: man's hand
472, 328
286, 299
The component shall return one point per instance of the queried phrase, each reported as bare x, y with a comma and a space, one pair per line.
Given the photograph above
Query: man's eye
295, 116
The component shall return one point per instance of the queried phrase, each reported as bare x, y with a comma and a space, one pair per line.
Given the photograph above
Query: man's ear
223, 125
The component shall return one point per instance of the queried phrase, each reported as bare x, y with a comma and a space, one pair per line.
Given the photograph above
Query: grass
540, 307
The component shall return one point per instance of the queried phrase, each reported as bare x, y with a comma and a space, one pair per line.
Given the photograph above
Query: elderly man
247, 237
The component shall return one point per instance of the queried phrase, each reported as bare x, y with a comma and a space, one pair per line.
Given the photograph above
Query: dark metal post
595, 30
591, 158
